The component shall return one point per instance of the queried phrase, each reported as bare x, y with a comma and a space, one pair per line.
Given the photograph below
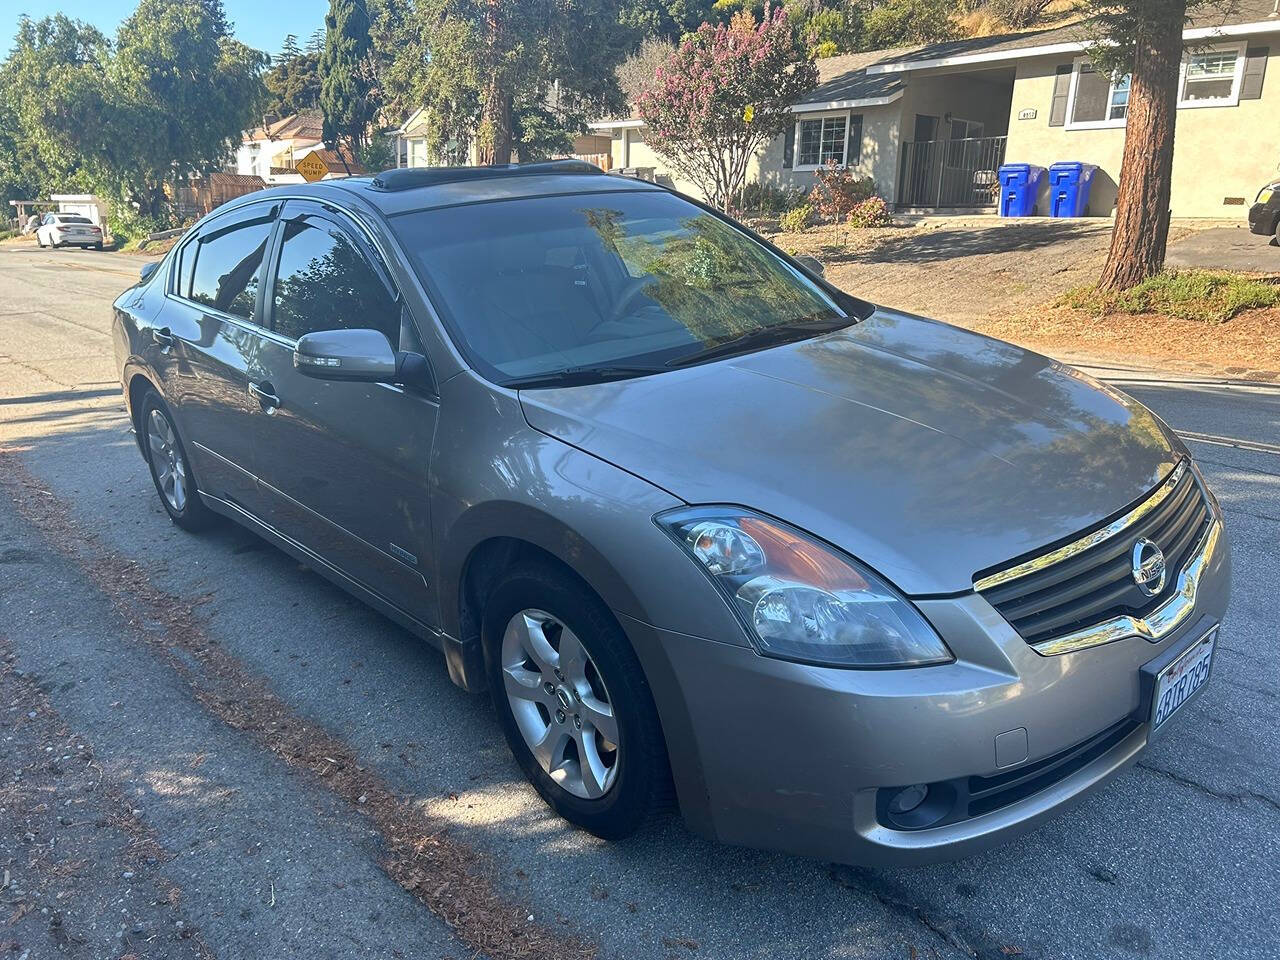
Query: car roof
424, 188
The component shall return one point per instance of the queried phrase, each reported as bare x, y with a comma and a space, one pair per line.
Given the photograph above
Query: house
410, 145
272, 151
932, 124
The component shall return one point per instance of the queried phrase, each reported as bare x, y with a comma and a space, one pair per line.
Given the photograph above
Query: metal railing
950, 173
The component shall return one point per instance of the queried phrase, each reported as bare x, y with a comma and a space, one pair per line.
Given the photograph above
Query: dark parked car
1264, 215
835, 579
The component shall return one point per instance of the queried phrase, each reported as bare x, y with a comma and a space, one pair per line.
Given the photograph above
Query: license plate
1183, 679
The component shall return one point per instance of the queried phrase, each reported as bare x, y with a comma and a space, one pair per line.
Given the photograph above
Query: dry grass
1246, 346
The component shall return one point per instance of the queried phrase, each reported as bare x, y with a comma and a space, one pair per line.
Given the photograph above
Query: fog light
908, 798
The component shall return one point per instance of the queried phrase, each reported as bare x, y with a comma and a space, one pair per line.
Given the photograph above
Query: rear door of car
344, 465
209, 340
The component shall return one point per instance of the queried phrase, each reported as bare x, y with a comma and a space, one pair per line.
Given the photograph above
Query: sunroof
412, 177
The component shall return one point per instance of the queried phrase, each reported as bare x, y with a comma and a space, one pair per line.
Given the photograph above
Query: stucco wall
1219, 152
878, 156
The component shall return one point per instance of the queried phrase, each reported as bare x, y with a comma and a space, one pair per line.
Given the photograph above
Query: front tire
574, 703
170, 470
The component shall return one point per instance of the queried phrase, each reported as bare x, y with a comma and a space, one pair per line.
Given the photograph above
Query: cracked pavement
273, 856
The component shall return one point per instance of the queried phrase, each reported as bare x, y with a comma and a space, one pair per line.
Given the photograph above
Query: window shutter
1255, 71
853, 152
1093, 91
789, 147
1061, 88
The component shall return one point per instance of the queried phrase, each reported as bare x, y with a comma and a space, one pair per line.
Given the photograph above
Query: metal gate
950, 173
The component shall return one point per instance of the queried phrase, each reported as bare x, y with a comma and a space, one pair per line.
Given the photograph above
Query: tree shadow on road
951, 243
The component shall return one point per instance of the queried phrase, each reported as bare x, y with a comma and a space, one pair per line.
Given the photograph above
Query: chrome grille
1090, 580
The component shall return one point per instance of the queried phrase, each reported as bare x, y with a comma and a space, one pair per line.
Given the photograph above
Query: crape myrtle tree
723, 94
1144, 39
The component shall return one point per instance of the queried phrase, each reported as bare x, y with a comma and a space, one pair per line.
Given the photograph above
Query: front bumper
1262, 218
787, 756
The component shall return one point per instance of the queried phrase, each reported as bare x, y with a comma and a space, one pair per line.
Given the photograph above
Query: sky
259, 23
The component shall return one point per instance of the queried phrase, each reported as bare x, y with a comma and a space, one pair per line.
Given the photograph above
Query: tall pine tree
1143, 38
344, 74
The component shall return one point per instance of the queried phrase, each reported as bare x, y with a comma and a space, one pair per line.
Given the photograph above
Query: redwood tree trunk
497, 144
495, 121
1146, 172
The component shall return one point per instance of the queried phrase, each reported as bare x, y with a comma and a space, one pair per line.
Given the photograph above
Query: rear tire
603, 763
170, 468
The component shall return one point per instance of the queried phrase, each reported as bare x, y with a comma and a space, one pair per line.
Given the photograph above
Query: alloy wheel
166, 459
560, 703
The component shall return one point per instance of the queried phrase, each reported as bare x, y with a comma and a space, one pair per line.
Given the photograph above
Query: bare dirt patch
1004, 279
1245, 347
453, 880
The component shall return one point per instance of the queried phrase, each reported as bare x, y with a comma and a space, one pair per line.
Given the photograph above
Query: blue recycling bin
1019, 189
1069, 183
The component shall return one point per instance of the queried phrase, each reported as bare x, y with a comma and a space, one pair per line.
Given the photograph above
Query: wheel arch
494, 537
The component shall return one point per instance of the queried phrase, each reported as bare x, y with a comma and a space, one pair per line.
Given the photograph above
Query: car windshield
74, 220
612, 284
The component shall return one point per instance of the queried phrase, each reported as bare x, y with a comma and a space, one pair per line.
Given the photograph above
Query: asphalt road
174, 662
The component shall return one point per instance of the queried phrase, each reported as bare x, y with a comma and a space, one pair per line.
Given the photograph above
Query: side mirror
364, 356
147, 270
812, 264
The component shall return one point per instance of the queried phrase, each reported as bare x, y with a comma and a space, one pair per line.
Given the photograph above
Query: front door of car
344, 464
207, 341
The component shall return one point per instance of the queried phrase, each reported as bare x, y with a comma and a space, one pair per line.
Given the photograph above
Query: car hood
926, 451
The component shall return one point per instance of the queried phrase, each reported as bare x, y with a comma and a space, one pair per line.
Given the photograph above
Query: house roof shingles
304, 125
1244, 11
846, 78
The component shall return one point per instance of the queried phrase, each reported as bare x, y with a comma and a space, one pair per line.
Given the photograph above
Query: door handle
163, 336
265, 394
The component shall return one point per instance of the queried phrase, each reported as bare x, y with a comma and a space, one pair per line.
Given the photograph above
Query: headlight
799, 599
1264, 194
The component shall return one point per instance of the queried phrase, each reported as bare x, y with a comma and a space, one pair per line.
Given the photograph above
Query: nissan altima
712, 534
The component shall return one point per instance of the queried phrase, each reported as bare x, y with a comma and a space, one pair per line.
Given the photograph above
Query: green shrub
871, 212
1205, 295
8, 234
760, 197
126, 224
797, 219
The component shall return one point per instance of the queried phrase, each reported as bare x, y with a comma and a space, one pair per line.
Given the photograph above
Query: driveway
1225, 248
219, 754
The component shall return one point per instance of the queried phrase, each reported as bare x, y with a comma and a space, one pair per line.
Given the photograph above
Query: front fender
493, 475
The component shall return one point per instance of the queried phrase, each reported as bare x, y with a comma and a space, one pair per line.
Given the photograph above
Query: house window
965, 129
821, 140
1097, 99
1211, 78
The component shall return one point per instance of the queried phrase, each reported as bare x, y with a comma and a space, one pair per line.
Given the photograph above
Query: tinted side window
228, 267
325, 283
186, 266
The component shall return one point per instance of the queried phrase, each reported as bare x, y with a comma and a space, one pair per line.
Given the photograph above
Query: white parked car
68, 230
